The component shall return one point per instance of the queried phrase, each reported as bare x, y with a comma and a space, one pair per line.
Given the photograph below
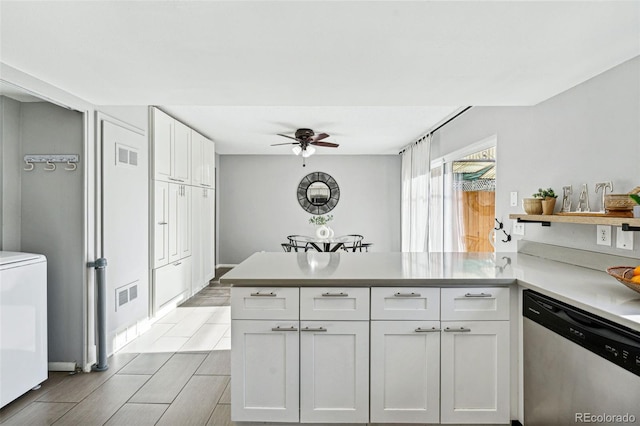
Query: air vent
126, 156
123, 297
126, 294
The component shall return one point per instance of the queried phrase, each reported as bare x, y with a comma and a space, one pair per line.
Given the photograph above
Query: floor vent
126, 294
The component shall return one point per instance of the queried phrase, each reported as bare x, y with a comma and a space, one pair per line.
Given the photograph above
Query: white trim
486, 143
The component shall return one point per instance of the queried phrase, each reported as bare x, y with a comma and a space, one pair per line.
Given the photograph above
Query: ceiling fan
305, 139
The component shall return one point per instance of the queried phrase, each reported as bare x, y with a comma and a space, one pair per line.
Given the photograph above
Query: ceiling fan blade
327, 144
286, 143
319, 137
287, 136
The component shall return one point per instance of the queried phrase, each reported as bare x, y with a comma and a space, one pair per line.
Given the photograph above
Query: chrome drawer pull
258, 294
478, 295
457, 330
335, 294
313, 329
162, 223
177, 180
278, 328
406, 294
426, 330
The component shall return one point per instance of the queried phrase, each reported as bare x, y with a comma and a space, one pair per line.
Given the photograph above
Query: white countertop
588, 289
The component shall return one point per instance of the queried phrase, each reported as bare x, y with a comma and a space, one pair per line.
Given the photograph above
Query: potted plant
322, 230
532, 205
636, 209
547, 199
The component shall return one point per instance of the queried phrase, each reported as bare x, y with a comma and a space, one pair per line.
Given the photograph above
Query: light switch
624, 239
514, 199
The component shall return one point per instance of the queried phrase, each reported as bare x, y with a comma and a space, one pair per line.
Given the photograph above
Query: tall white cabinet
183, 189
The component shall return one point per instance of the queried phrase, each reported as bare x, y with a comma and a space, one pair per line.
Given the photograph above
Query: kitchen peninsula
394, 337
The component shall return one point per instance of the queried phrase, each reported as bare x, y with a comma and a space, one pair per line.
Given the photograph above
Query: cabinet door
208, 235
181, 153
175, 198
209, 163
197, 158
475, 372
264, 371
160, 224
162, 144
184, 218
197, 200
334, 371
405, 371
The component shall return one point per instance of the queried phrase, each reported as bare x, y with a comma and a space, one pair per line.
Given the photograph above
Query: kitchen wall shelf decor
627, 223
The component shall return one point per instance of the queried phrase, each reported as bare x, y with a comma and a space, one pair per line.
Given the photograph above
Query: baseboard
62, 366
226, 265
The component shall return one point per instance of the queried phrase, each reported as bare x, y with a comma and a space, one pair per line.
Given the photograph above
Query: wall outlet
624, 239
518, 228
603, 235
514, 201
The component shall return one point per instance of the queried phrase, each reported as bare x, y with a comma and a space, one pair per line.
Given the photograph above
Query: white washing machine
23, 323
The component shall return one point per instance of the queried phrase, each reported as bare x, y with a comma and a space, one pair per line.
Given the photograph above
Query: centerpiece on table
322, 230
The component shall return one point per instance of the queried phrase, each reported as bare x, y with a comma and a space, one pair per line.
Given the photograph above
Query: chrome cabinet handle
313, 329
426, 330
457, 330
477, 295
177, 264
398, 294
278, 328
205, 184
177, 180
258, 294
335, 294
162, 223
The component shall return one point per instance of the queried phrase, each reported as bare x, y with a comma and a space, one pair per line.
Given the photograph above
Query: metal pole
100, 266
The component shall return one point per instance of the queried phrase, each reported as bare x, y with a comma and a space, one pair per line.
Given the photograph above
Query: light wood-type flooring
177, 373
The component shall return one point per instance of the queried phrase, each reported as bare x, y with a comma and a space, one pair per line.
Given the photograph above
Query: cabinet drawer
475, 303
264, 303
405, 303
334, 303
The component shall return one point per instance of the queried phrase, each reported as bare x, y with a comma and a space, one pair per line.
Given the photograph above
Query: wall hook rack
506, 235
50, 160
500, 225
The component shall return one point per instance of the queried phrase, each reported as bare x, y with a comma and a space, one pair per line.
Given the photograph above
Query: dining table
325, 244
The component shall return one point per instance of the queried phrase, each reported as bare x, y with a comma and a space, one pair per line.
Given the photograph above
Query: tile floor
177, 373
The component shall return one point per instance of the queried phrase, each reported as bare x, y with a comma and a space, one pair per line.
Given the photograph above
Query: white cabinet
202, 161
160, 223
203, 236
405, 371
334, 371
171, 281
179, 222
475, 372
264, 370
477, 303
171, 149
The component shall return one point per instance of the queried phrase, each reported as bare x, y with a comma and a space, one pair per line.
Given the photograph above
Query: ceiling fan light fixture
296, 150
308, 152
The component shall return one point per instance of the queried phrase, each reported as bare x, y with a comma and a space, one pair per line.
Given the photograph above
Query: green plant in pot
547, 199
636, 209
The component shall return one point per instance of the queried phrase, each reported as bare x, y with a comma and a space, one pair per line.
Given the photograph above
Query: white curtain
416, 162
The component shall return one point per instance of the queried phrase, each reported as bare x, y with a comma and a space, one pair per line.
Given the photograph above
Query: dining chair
286, 247
353, 242
297, 244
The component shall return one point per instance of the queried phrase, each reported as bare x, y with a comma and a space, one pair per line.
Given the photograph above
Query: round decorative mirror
318, 193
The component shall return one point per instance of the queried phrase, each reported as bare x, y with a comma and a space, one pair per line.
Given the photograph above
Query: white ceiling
374, 74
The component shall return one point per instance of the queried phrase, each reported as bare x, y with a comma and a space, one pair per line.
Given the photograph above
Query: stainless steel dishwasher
578, 368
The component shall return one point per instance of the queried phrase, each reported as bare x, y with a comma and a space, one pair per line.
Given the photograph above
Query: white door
209, 163
160, 224
197, 158
208, 235
181, 153
162, 145
125, 221
184, 222
475, 372
334, 371
175, 198
197, 238
405, 371
264, 371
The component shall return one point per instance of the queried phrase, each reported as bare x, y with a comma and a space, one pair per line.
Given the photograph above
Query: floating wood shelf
627, 223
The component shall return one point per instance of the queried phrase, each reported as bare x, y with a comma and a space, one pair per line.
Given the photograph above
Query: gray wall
52, 221
258, 206
588, 134
10, 175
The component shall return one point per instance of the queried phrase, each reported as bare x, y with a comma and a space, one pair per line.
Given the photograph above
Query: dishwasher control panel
609, 340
